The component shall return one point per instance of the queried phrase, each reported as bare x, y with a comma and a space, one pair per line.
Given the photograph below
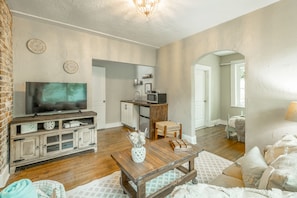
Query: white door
201, 96
98, 95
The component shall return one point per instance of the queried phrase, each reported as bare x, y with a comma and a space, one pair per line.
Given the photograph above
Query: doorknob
204, 101
103, 101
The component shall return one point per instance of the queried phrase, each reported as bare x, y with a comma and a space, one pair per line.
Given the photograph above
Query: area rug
208, 166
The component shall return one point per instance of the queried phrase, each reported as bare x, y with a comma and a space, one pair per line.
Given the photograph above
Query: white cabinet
32, 141
53, 144
25, 149
130, 115
86, 137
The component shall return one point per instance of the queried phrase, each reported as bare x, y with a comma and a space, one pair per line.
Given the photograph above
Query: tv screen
44, 97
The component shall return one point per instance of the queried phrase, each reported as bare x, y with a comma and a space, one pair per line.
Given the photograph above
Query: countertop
142, 103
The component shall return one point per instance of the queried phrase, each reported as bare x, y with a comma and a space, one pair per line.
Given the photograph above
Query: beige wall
119, 86
66, 44
267, 38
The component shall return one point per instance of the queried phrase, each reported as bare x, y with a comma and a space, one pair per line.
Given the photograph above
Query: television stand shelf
38, 138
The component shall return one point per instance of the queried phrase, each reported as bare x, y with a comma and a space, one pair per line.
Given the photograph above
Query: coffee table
160, 158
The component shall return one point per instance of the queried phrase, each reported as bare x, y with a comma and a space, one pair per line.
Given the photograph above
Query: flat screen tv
45, 97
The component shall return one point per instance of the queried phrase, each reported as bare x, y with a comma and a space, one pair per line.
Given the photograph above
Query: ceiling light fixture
146, 7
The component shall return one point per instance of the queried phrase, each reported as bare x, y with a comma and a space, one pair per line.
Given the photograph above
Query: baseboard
191, 139
4, 176
223, 122
217, 122
112, 125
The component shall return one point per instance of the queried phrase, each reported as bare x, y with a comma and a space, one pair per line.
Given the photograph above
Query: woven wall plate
36, 46
70, 66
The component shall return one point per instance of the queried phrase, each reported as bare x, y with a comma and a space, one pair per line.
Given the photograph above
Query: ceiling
173, 20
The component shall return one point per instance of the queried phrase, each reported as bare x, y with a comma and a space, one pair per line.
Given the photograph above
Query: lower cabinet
72, 133
86, 138
25, 149
142, 115
54, 144
129, 114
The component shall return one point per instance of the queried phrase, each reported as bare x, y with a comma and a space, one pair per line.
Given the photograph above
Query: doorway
99, 95
202, 96
219, 88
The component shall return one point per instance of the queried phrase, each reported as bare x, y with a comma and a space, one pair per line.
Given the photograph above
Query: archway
223, 94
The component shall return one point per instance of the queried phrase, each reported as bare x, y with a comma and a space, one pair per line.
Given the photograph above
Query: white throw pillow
274, 152
253, 165
265, 178
284, 176
287, 144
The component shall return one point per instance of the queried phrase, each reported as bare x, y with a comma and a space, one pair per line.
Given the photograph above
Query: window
238, 83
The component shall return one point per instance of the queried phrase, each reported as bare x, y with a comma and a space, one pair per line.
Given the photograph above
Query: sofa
273, 174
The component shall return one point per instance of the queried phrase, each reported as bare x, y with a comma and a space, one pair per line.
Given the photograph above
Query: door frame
102, 115
207, 70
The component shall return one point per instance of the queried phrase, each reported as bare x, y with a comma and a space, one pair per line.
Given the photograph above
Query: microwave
157, 98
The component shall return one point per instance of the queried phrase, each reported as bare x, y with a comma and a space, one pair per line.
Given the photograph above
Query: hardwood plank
78, 169
214, 139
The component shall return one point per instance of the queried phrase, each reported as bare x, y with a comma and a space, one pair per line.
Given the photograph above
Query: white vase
138, 154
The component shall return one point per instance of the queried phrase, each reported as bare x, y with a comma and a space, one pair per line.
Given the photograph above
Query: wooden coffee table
160, 158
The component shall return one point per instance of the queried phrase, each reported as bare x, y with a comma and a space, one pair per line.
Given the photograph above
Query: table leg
140, 190
127, 188
124, 181
191, 164
192, 167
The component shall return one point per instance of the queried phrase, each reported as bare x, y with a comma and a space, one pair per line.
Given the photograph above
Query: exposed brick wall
6, 80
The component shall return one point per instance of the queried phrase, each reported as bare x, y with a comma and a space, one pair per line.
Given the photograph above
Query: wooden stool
168, 128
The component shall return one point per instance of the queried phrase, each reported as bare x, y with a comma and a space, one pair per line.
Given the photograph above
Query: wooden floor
213, 139
82, 168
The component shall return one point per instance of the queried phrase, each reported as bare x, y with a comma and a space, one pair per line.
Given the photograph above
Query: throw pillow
274, 152
284, 176
253, 165
265, 178
287, 144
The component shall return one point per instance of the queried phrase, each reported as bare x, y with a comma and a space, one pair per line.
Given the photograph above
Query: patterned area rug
208, 166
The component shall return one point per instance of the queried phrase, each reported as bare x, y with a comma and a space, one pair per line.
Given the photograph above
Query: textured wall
6, 84
267, 39
66, 44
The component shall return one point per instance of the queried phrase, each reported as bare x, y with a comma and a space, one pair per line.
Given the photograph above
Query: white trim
112, 125
79, 28
4, 176
214, 123
191, 139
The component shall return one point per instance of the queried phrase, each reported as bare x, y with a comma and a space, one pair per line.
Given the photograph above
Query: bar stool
168, 129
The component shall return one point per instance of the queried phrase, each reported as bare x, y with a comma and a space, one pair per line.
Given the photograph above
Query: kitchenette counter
142, 103
139, 114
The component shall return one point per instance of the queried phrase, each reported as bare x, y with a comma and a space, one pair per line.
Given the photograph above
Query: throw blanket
240, 129
240, 125
210, 191
19, 189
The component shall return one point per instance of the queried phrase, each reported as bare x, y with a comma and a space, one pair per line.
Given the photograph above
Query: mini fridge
144, 120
